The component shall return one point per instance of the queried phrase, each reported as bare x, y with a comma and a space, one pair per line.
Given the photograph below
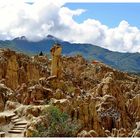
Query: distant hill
129, 62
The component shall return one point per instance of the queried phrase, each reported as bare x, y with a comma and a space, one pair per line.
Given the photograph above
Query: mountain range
129, 62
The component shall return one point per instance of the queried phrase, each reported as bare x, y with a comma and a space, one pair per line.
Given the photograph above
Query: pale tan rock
96, 95
22, 76
32, 72
50, 78
122, 132
12, 72
21, 93
43, 81
136, 132
93, 133
107, 133
56, 60
2, 102
134, 107
17, 68
5, 95
84, 133
10, 105
3, 119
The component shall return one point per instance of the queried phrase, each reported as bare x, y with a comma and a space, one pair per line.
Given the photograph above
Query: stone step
2, 134
20, 126
15, 131
11, 115
21, 123
16, 120
15, 135
14, 128
15, 117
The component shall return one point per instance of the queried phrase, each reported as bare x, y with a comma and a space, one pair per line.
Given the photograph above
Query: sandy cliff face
106, 102
17, 68
12, 72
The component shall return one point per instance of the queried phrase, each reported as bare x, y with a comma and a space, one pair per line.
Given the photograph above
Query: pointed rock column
56, 63
12, 72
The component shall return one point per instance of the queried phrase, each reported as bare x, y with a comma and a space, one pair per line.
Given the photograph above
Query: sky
109, 14
114, 26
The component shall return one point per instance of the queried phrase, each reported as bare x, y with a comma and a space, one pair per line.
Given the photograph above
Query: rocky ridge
105, 101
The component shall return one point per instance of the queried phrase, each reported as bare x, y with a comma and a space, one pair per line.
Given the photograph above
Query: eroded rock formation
56, 60
104, 101
17, 68
5, 95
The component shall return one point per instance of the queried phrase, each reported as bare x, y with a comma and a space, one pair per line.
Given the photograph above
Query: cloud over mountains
44, 17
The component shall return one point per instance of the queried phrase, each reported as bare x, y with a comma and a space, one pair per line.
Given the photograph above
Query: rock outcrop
104, 101
5, 95
56, 60
17, 68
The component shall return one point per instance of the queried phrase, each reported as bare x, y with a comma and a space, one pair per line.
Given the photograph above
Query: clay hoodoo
103, 100
56, 60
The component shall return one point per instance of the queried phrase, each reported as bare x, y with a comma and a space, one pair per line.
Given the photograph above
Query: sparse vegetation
41, 53
70, 89
60, 125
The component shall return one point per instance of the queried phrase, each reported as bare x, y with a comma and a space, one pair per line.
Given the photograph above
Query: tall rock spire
56, 60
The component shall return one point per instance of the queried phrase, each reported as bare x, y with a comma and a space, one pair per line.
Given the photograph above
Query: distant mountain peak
53, 38
129, 62
20, 38
50, 36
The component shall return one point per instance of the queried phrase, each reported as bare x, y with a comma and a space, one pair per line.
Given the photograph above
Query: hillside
67, 97
129, 62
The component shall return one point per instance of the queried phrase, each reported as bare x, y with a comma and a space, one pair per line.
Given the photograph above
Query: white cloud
124, 38
44, 17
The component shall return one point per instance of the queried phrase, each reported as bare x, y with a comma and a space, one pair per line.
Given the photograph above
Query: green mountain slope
129, 62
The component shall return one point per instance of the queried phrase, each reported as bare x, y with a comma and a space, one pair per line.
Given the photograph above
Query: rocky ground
104, 101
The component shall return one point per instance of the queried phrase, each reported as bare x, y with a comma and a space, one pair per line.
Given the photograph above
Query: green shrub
60, 125
70, 89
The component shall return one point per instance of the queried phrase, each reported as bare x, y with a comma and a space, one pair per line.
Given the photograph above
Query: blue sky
110, 14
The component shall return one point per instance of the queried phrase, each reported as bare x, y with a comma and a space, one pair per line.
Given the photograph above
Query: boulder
5, 94
93, 133
3, 119
85, 133
136, 132
10, 105
134, 107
